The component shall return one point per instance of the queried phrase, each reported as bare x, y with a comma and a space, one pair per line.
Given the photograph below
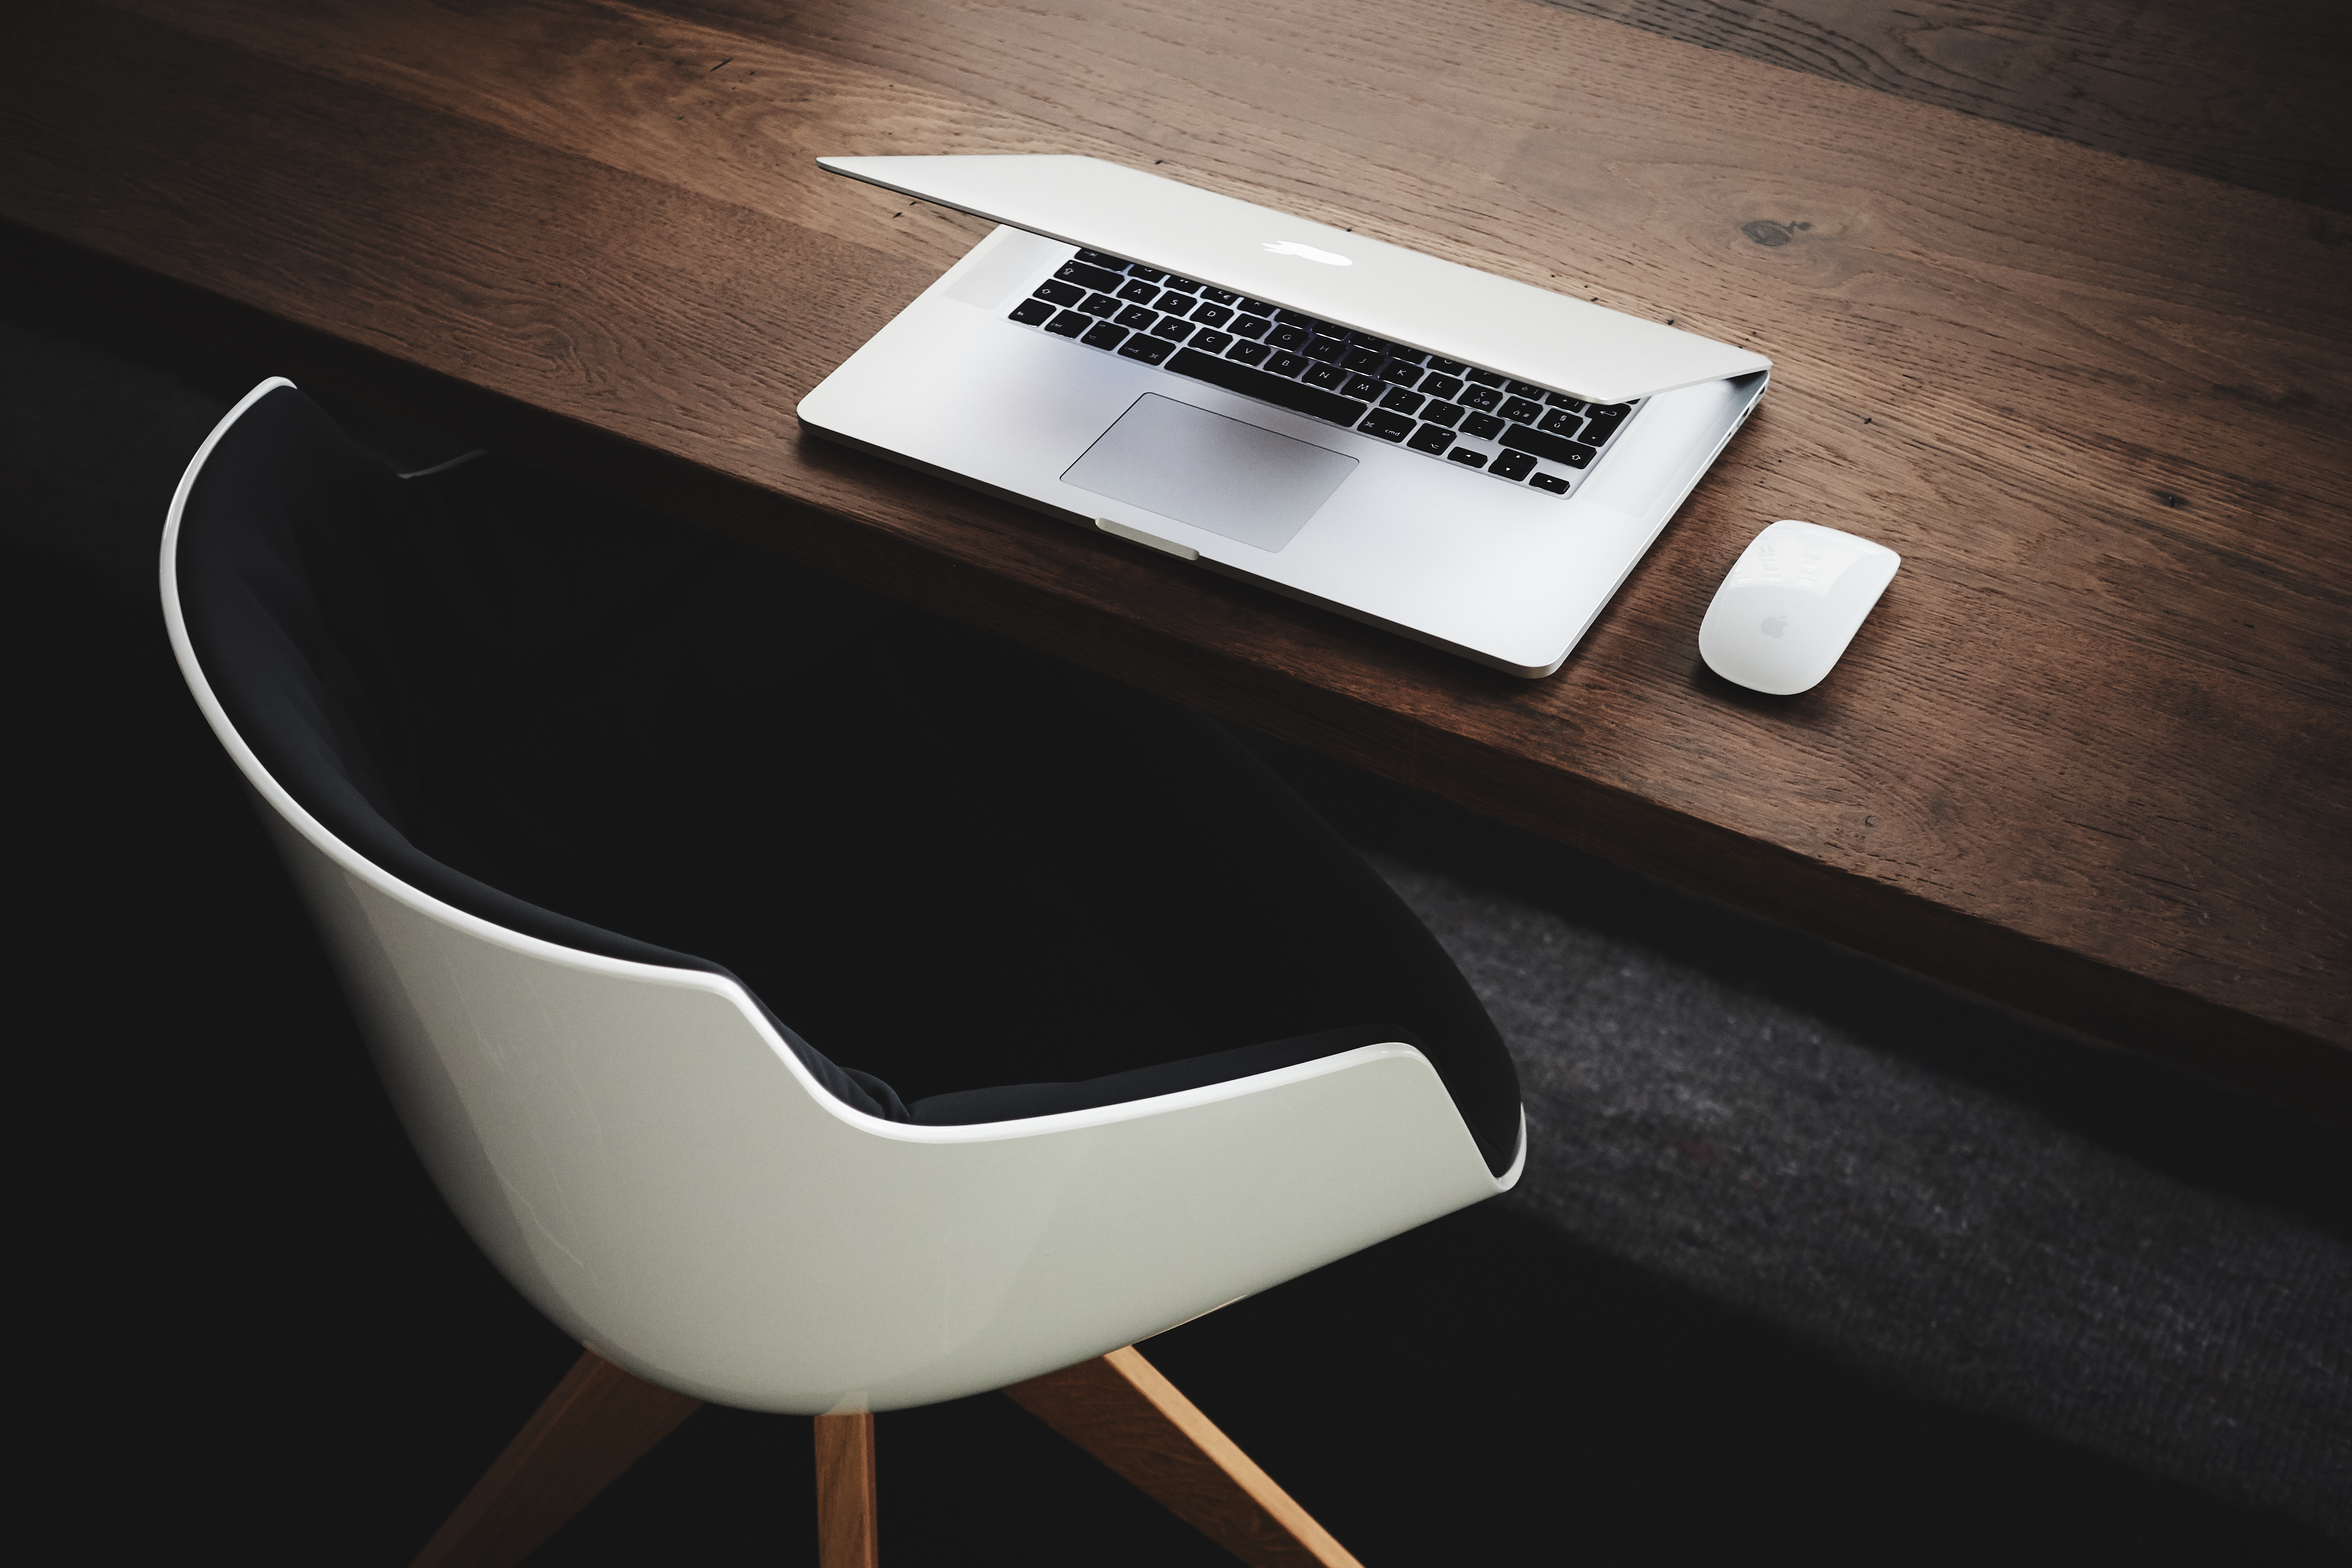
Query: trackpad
1212, 472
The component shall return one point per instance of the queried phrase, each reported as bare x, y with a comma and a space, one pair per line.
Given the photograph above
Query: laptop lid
1439, 307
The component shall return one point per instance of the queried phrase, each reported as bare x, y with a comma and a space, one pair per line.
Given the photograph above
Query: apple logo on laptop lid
1292, 247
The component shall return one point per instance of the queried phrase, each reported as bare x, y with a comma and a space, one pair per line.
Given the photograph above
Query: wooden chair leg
845, 1515
599, 1421
1119, 1409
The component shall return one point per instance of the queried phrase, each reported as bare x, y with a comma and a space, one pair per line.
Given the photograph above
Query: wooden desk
2088, 757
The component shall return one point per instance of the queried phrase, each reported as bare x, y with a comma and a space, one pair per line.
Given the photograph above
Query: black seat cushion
1000, 885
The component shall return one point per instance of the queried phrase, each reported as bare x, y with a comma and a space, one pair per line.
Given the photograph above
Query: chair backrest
652, 1159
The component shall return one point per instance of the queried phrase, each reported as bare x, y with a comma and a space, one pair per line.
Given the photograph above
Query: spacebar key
1276, 389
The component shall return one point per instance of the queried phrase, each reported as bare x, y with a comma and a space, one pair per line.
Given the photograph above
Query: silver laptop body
1456, 457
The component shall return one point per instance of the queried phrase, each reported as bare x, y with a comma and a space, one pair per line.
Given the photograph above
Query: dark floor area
1813, 1262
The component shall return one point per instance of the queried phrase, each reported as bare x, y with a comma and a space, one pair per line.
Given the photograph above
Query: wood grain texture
2088, 758
848, 1506
2252, 94
599, 1421
1118, 1408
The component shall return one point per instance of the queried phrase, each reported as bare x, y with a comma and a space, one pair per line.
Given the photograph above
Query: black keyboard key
1101, 307
1184, 284
1149, 274
1286, 363
1485, 426
1298, 319
1330, 375
1525, 389
1512, 465
1033, 312
1364, 359
1096, 258
1060, 293
1290, 394
1103, 335
1602, 423
1256, 308
1482, 377
1409, 356
1433, 439
1175, 329
1404, 401
1446, 366
1174, 299
1100, 279
1248, 353
1448, 414
1479, 397
1288, 335
1218, 296
1559, 422
1388, 427
1464, 455
1212, 315
1562, 400
1135, 318
1326, 348
1366, 387
1141, 292
1148, 349
1439, 384
1552, 482
1248, 326
1521, 411
1379, 346
1070, 325
1400, 374
1569, 454
1212, 343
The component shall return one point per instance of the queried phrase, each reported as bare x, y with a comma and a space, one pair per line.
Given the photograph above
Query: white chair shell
641, 1153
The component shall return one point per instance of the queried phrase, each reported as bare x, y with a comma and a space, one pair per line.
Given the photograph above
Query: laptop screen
1417, 300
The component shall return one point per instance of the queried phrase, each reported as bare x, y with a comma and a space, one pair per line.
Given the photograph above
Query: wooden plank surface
2252, 94
2088, 757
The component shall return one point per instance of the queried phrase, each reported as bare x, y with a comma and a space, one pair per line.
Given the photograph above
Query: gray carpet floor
1815, 1163
1913, 1189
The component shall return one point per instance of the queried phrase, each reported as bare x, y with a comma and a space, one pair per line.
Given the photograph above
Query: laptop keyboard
1450, 411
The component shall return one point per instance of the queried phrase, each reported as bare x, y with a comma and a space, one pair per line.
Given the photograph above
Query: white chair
654, 1163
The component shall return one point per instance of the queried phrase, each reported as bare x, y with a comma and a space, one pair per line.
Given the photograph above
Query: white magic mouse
1791, 604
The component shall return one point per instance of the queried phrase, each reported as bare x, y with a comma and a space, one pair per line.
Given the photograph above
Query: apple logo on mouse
1292, 247
1776, 626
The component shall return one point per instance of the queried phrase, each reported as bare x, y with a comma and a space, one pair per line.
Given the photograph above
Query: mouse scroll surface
1790, 606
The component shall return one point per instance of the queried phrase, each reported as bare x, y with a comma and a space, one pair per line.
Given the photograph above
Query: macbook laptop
1455, 457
